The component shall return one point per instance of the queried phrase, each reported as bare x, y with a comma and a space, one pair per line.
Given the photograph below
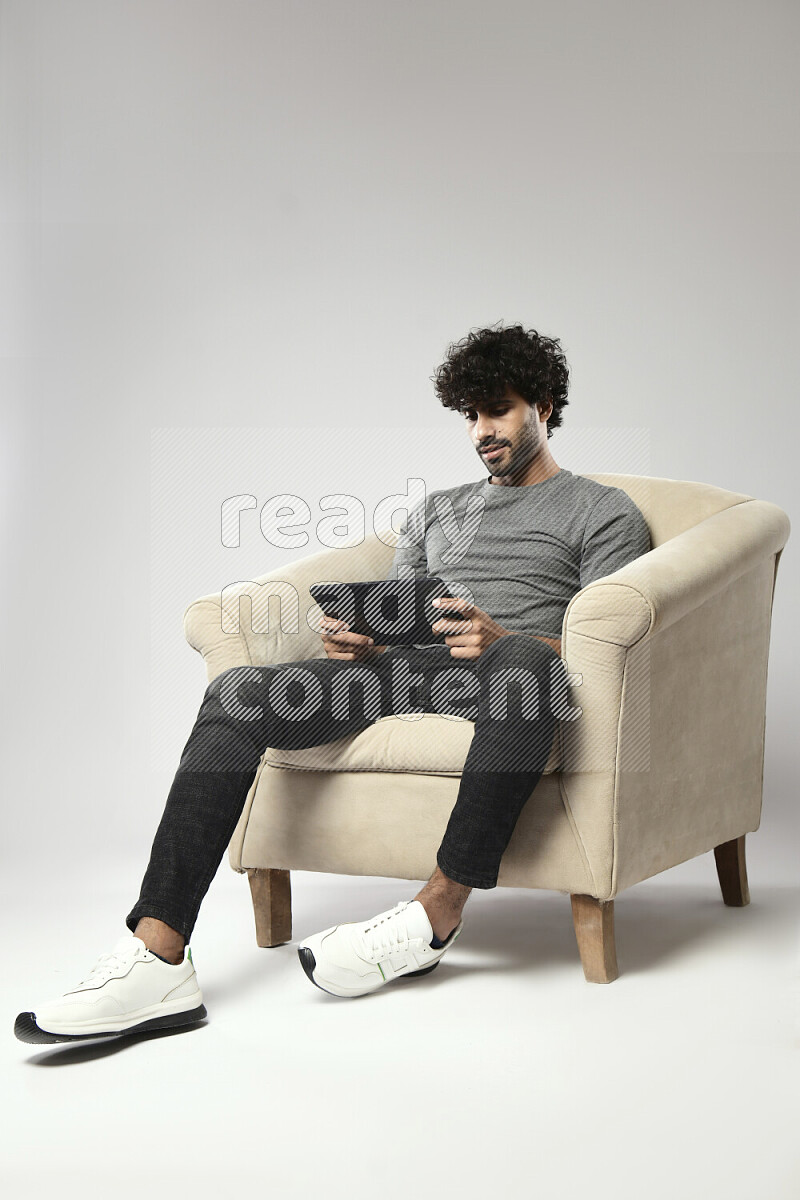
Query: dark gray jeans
512, 692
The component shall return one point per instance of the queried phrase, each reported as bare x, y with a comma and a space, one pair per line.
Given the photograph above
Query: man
521, 541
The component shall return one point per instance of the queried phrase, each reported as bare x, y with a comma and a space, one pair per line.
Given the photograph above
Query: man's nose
484, 430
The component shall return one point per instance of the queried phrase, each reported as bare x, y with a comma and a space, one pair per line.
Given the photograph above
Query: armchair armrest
657, 589
665, 759
239, 626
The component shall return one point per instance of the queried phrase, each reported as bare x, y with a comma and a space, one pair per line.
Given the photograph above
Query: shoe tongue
127, 943
417, 921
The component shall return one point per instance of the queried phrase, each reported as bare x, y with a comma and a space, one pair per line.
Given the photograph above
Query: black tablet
395, 612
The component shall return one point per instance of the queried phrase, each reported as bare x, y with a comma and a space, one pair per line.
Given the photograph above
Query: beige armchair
660, 758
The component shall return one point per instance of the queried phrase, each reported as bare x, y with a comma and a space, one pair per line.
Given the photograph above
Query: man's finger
445, 626
332, 623
347, 638
455, 602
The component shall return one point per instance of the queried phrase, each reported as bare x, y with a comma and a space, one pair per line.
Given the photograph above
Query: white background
274, 217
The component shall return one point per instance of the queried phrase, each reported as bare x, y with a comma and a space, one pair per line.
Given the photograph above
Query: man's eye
496, 412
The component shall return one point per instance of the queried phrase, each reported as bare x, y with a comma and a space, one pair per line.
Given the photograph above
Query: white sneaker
127, 991
360, 957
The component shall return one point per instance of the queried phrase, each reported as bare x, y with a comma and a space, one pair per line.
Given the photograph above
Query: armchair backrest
669, 506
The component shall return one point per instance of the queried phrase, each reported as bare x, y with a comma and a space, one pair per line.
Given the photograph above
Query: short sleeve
616, 533
411, 556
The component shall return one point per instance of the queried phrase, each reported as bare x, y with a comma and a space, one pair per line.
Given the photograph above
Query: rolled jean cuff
465, 877
143, 909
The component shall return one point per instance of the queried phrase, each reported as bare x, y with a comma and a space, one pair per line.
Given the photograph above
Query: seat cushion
422, 743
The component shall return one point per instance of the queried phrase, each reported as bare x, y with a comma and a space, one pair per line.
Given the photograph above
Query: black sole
26, 1029
423, 971
309, 963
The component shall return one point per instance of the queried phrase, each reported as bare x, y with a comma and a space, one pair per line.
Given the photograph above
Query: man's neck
536, 473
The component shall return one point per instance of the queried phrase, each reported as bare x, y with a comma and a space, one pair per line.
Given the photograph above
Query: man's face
511, 424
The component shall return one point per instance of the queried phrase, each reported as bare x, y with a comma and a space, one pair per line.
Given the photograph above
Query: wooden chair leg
271, 891
732, 872
594, 929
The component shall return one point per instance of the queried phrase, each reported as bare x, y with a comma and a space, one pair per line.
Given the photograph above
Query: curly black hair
481, 367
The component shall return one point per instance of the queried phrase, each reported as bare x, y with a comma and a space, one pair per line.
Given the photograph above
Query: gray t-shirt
522, 551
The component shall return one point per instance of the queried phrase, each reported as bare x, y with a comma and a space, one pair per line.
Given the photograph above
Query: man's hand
478, 632
339, 642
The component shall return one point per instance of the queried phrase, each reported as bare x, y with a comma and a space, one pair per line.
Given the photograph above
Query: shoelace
105, 965
383, 936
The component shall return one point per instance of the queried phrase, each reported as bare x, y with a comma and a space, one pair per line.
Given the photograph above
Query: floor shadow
65, 1054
